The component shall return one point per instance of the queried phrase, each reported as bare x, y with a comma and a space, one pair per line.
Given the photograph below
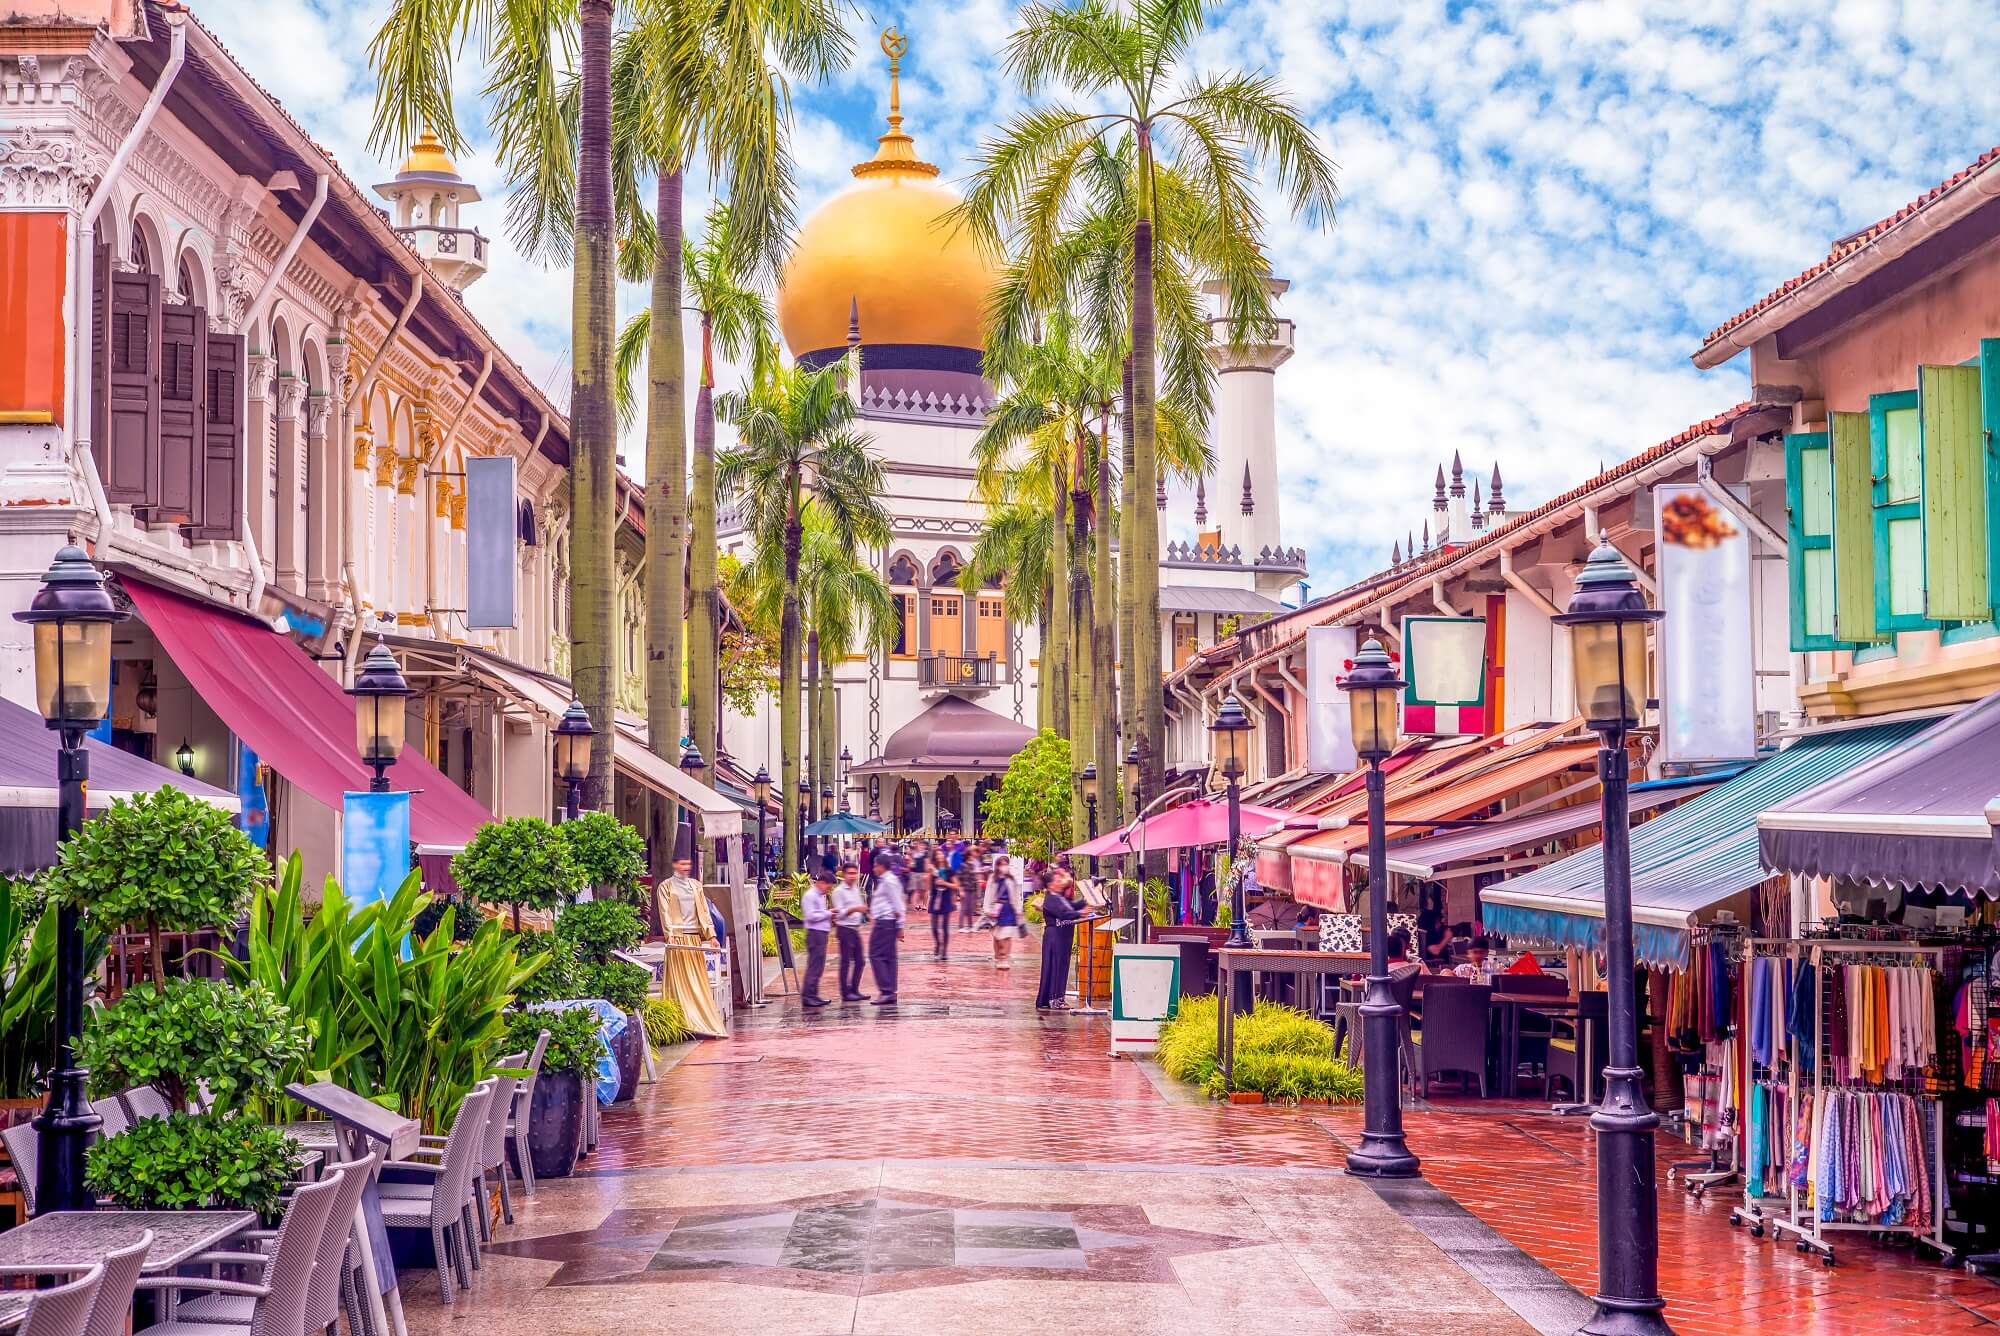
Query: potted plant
569, 1064
191, 1034
522, 862
609, 855
593, 931
194, 1162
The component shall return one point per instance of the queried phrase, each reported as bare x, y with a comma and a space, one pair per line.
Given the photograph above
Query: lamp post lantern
1135, 801
1231, 723
692, 765
760, 789
1373, 689
573, 742
72, 614
1607, 619
184, 758
805, 818
1090, 807
380, 696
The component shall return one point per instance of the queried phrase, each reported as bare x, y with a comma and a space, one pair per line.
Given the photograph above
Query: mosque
932, 722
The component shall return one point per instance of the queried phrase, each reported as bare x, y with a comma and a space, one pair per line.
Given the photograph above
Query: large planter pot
555, 1123
628, 1050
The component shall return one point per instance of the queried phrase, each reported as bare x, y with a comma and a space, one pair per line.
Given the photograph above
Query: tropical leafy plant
27, 987
165, 860
607, 853
242, 1044
191, 1162
522, 862
1031, 808
574, 1045
1280, 1051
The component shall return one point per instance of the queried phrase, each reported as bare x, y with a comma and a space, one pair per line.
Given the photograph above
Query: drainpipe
429, 506
1523, 588
256, 309
1437, 597
361, 388
83, 266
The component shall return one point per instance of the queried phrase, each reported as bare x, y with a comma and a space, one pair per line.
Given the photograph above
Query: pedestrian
969, 884
1002, 906
850, 911
1059, 916
817, 911
887, 907
943, 906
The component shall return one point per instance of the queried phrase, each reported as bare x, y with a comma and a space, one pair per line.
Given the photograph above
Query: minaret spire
1437, 501
1494, 504
1457, 475
1160, 491
1249, 501
1200, 501
895, 152
1478, 518
1427, 538
1395, 554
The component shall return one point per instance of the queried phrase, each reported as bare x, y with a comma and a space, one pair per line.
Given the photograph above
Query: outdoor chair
111, 1308
24, 1148
444, 1204
1532, 1046
517, 1115
492, 1147
1453, 1038
64, 1310
278, 1296
332, 1267
1566, 1061
1405, 990
127, 1107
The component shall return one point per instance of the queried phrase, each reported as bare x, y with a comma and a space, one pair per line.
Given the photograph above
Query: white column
927, 788
321, 505
382, 529
968, 786
287, 556
258, 507
409, 547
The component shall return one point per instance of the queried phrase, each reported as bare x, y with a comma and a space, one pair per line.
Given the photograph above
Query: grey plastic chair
111, 1309
517, 1114
64, 1310
278, 1297
492, 1146
24, 1148
444, 1204
331, 1268
127, 1107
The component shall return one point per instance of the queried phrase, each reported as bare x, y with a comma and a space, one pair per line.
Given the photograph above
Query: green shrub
27, 986
1274, 1028
619, 982
767, 939
607, 853
560, 975
523, 862
666, 1023
596, 928
1187, 1042
1281, 1051
573, 1042
193, 1161
242, 1042
1289, 1077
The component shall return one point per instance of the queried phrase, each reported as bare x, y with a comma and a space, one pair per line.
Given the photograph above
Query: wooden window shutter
1897, 456
127, 458
1809, 513
221, 512
183, 385
1989, 422
1853, 510
100, 355
1954, 496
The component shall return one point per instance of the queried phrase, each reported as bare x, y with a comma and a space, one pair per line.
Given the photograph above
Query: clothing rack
1780, 1081
1724, 1162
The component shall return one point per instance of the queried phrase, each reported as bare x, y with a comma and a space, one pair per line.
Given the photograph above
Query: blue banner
255, 817
374, 845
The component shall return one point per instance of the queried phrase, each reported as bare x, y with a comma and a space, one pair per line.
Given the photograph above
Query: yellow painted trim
1953, 681
26, 417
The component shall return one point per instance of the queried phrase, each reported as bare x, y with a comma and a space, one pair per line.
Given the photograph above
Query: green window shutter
1954, 493
1853, 529
1809, 511
1897, 454
1989, 403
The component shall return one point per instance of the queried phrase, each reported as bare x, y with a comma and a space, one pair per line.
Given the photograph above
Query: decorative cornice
291, 396
902, 405
47, 170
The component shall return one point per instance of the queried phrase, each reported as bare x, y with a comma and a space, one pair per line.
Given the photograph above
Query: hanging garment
1804, 1005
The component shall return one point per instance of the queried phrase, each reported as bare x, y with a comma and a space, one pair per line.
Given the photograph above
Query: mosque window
906, 637
902, 571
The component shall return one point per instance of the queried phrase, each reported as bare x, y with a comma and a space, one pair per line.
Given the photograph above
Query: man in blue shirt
818, 915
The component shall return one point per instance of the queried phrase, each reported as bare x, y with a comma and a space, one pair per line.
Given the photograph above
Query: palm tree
1127, 57
797, 451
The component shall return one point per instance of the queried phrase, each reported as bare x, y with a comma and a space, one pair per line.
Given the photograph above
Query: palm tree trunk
1144, 647
829, 730
593, 418
1128, 507
1055, 680
1103, 644
705, 624
788, 695
816, 744
1082, 700
1045, 692
666, 484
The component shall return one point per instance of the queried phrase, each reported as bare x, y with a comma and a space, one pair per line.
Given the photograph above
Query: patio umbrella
845, 823
1203, 821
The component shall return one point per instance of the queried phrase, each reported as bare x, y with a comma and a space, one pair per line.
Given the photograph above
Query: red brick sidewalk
1533, 1179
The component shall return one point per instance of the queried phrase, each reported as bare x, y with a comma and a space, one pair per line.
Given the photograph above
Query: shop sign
1706, 677
1329, 731
1444, 664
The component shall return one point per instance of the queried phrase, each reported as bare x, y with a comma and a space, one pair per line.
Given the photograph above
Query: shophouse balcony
959, 672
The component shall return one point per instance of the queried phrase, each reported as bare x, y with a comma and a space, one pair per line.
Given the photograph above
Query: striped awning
1684, 862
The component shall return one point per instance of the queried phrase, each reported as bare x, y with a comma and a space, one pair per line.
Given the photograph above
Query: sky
1544, 206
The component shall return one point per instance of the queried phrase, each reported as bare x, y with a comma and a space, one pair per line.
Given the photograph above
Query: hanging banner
492, 527
1708, 703
1329, 730
1444, 664
374, 845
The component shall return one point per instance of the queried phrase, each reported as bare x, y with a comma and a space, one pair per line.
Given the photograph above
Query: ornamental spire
1457, 475
1200, 502
1437, 500
1478, 517
1249, 501
1396, 554
1493, 502
895, 152
1160, 492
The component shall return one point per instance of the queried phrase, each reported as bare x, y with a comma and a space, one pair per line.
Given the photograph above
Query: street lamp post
692, 764
184, 758
1135, 794
573, 741
805, 818
72, 614
1090, 807
380, 698
1372, 692
1607, 619
1231, 723
760, 789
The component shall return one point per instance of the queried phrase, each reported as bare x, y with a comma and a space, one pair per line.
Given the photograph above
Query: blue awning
1696, 856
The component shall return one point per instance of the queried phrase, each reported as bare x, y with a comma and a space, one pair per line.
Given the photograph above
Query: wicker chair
1453, 1038
332, 1267
64, 1310
492, 1146
517, 1115
127, 1107
24, 1148
278, 1297
444, 1204
111, 1309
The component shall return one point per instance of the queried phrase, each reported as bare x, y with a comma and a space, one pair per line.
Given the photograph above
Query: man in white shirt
850, 911
886, 908
818, 915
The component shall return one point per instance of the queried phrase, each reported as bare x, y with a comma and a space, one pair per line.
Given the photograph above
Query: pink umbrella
1203, 821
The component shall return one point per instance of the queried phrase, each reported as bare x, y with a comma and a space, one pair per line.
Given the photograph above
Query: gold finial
896, 152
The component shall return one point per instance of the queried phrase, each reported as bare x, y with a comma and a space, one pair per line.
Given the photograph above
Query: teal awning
1695, 856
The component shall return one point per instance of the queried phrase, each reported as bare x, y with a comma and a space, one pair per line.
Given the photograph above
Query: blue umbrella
845, 823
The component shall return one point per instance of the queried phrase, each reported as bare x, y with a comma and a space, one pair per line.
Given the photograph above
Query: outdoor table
1300, 964
353, 1122
13, 1307
1507, 1009
67, 1242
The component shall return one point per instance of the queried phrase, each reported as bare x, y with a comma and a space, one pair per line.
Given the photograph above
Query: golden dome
427, 155
884, 246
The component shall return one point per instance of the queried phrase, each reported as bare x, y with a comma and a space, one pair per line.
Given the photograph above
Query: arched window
139, 253
945, 569
902, 571
186, 280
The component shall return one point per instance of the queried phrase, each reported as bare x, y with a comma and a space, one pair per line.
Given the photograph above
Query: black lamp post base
1383, 1155
1382, 1152
1618, 1318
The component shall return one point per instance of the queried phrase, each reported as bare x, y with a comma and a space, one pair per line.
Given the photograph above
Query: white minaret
423, 202
1245, 428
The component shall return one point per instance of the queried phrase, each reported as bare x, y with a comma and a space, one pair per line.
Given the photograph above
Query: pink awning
1203, 821
295, 717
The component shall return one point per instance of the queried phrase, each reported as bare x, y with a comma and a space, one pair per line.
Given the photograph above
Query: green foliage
1159, 903
27, 986
560, 975
666, 1023
1280, 1051
595, 928
788, 894
165, 860
749, 669
1031, 808
241, 1042
621, 983
767, 940
1186, 1049
1290, 1077
606, 852
421, 1031
523, 861
193, 1161
573, 1042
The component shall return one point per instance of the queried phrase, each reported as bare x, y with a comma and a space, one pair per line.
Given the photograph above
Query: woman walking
1002, 906
943, 907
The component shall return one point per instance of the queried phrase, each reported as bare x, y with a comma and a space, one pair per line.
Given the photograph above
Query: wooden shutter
1989, 409
1809, 510
127, 457
183, 387
220, 515
1897, 452
1954, 498
1853, 529
100, 354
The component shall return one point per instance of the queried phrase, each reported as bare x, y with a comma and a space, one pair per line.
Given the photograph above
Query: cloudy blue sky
1545, 205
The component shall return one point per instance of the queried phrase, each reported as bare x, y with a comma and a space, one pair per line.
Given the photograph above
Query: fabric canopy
1203, 821
295, 717
1688, 860
28, 790
1914, 817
